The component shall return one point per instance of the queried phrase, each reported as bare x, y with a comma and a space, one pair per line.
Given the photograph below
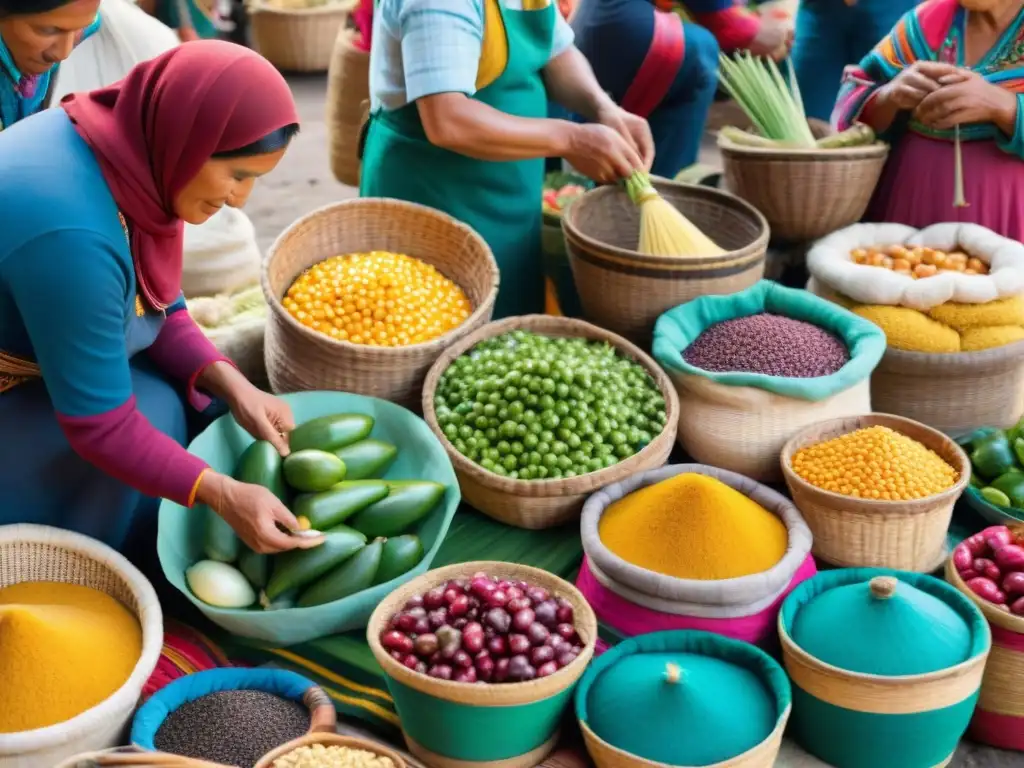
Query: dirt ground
303, 183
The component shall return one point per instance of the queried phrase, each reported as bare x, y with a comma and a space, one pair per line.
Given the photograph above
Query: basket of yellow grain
538, 412
627, 274
949, 298
80, 633
876, 490
297, 35
364, 296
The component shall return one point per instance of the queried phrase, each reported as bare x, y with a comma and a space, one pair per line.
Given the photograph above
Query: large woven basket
300, 359
297, 39
536, 504
804, 193
955, 393
999, 718
625, 291
41, 553
348, 88
851, 532
534, 707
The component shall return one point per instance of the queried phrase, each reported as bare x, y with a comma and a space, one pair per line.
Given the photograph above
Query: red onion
473, 637
434, 598
394, 640
440, 671
518, 644
459, 606
497, 646
462, 659
542, 655
501, 670
546, 613
437, 618
538, 633
499, 619
1013, 583
404, 622
519, 669
522, 620
416, 601
517, 604
484, 668
515, 592
465, 675
565, 658
996, 537
411, 661
565, 614
537, 594
497, 599
547, 669
567, 631
426, 645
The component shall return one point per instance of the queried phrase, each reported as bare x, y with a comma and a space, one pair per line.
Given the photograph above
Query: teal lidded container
683, 698
886, 667
473, 725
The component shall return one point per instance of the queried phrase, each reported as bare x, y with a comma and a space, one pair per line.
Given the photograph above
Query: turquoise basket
420, 456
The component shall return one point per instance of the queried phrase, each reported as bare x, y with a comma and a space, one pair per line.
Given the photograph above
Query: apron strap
660, 67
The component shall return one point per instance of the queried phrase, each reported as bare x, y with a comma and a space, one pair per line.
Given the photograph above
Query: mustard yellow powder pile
64, 648
693, 526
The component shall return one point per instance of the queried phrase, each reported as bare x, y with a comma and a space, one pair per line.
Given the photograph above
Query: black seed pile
232, 727
770, 344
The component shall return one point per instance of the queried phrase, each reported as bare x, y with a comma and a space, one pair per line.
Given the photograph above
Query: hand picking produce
332, 756
918, 262
368, 524
875, 463
379, 299
769, 344
692, 526
991, 563
997, 465
664, 230
484, 630
534, 407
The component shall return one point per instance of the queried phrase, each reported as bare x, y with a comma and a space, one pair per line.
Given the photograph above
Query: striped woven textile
185, 651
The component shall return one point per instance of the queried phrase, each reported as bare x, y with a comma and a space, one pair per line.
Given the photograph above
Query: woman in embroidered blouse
947, 63
98, 355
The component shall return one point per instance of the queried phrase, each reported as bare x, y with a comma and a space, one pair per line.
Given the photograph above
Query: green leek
775, 108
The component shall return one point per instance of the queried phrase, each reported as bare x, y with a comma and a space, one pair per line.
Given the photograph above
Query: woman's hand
774, 36
601, 153
254, 513
966, 97
909, 88
264, 416
632, 128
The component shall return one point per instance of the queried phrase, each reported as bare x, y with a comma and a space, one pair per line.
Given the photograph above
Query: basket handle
323, 717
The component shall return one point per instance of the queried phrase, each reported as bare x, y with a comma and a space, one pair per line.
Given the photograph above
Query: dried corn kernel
918, 262
378, 299
875, 463
332, 756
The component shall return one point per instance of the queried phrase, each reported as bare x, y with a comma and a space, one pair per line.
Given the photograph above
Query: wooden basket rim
498, 695
839, 500
753, 250
557, 326
373, 203
875, 151
1003, 620
331, 739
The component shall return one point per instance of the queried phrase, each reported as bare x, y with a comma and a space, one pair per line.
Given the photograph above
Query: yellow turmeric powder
692, 526
64, 648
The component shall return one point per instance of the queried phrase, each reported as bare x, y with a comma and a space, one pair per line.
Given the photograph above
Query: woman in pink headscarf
99, 359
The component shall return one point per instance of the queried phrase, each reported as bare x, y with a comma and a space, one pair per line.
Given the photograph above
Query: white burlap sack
220, 255
743, 429
830, 265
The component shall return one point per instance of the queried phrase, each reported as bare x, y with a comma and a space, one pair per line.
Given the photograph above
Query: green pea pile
534, 407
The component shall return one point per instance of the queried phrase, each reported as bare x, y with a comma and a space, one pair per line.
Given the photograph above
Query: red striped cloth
185, 651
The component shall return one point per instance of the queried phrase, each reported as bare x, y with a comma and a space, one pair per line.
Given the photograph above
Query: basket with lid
499, 724
886, 667
299, 358
683, 698
999, 718
625, 291
545, 501
858, 527
754, 367
634, 600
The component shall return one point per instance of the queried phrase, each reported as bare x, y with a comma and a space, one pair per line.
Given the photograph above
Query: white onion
220, 585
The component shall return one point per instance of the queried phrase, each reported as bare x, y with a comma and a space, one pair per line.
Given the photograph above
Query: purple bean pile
770, 344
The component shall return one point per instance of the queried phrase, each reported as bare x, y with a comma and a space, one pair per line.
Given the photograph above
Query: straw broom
664, 231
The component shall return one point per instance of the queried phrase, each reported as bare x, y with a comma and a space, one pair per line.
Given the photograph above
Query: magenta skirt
629, 619
916, 188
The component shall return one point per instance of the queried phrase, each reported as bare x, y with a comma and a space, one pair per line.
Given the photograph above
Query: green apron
500, 200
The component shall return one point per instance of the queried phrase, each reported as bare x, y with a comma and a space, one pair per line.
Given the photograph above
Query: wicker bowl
850, 532
297, 39
301, 359
41, 553
529, 713
537, 504
804, 193
625, 291
331, 740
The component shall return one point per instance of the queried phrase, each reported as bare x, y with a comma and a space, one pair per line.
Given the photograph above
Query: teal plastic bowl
420, 456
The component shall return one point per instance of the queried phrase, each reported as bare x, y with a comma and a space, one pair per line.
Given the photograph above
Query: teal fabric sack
420, 457
680, 326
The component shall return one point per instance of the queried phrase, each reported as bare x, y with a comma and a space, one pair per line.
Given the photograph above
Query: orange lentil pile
380, 299
918, 262
875, 463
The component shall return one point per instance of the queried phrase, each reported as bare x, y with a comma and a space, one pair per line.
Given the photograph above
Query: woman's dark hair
272, 142
30, 7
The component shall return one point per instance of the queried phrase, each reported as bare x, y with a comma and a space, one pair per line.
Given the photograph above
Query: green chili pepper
993, 456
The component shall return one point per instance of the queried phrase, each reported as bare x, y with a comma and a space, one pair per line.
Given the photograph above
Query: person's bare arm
469, 127
571, 82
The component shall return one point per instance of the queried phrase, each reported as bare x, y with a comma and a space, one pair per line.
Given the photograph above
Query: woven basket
483, 706
625, 291
328, 740
40, 553
954, 393
348, 88
536, 504
297, 39
300, 359
999, 718
850, 532
804, 193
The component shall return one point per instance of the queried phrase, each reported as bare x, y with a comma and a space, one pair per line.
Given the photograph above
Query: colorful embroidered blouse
934, 31
67, 296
